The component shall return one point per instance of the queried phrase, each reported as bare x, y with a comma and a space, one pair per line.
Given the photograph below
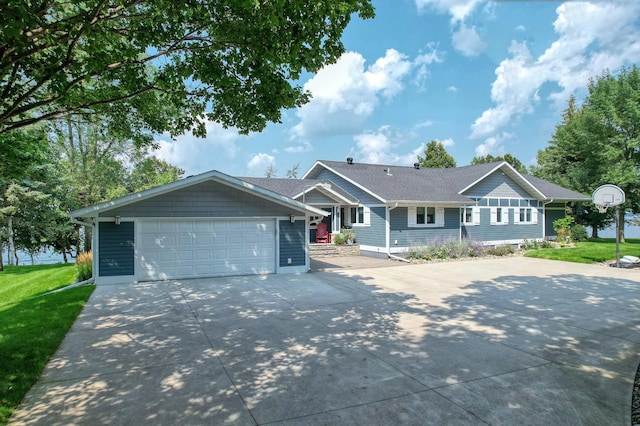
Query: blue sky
483, 77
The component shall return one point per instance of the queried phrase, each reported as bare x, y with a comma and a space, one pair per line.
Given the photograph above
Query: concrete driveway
500, 341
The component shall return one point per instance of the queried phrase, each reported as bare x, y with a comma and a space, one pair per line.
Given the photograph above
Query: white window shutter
505, 215
476, 215
367, 215
412, 216
516, 215
440, 216
534, 215
494, 215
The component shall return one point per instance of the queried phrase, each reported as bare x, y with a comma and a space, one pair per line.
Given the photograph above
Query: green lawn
592, 251
33, 324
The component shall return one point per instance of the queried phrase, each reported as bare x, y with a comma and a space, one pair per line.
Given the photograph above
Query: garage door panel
186, 248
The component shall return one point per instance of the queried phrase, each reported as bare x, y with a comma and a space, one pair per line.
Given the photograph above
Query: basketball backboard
608, 195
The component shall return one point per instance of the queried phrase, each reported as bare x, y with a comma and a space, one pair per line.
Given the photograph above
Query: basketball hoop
607, 196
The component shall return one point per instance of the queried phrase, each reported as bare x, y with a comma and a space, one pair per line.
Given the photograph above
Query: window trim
504, 213
366, 216
412, 216
533, 219
475, 215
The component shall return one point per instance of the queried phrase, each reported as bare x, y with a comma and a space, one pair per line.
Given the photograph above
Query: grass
591, 251
33, 324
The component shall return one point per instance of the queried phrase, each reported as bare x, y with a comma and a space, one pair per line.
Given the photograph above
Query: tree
23, 156
271, 171
163, 65
599, 142
436, 155
293, 172
151, 172
517, 164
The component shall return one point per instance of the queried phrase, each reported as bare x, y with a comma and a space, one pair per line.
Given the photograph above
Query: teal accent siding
115, 248
207, 199
409, 236
292, 244
497, 185
551, 216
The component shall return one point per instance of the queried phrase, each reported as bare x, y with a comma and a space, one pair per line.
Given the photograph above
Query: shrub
503, 250
84, 263
579, 233
445, 249
563, 229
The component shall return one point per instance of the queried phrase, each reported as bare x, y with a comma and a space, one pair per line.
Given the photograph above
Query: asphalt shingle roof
397, 183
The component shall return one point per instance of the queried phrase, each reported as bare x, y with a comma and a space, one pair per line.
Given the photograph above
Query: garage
192, 248
208, 225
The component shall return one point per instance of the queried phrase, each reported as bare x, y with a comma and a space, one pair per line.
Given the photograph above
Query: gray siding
513, 231
408, 237
292, 244
356, 192
373, 235
497, 185
207, 199
315, 197
116, 244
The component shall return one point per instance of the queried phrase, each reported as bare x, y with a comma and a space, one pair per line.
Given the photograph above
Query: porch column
335, 220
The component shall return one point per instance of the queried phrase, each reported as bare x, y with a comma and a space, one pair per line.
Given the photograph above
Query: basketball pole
617, 236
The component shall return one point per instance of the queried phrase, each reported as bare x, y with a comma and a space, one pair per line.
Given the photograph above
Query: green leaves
161, 65
599, 142
436, 155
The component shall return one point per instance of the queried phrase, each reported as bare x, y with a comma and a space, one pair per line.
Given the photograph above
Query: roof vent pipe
349, 160
416, 166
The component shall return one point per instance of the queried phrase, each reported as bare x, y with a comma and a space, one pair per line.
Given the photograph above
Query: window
425, 216
499, 216
525, 215
360, 215
470, 215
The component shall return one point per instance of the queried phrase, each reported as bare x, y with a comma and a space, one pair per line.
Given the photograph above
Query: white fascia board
194, 180
367, 190
406, 203
514, 174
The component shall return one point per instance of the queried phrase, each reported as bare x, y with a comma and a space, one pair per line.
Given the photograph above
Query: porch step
323, 250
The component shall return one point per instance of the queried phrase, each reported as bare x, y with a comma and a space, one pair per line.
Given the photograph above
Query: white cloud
433, 55
426, 123
346, 93
377, 148
467, 41
447, 142
197, 155
592, 36
452, 89
458, 9
493, 145
259, 164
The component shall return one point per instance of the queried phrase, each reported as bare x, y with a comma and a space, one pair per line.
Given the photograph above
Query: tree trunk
1, 263
12, 247
594, 232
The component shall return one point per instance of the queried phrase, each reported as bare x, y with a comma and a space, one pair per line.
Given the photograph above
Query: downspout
544, 219
388, 231
93, 258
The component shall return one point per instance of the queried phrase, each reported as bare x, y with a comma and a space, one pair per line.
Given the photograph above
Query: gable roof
391, 183
212, 175
295, 188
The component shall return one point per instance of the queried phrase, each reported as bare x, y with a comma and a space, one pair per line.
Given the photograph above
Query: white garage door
188, 248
